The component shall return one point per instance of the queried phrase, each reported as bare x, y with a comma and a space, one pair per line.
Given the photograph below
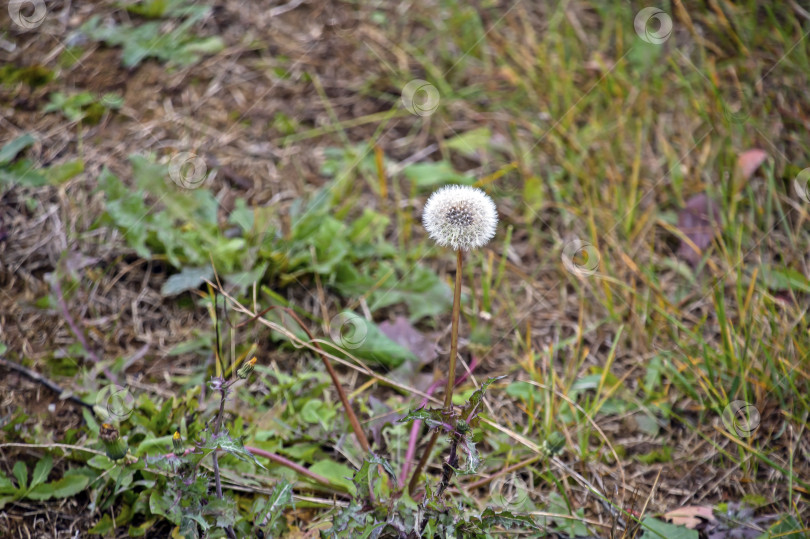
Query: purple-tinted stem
417, 423
278, 459
60, 299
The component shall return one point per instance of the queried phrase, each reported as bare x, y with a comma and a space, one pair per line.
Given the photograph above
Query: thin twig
60, 299
355, 423
36, 377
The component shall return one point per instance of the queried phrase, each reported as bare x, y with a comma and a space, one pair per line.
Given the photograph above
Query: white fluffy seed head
460, 217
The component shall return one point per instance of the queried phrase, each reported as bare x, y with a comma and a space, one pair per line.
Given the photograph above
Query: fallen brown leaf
698, 220
691, 516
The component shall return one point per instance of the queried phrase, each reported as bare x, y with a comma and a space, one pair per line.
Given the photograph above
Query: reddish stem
417, 424
358, 430
278, 459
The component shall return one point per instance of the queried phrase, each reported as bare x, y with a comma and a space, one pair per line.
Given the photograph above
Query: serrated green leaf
178, 46
474, 403
433, 417
268, 513
504, 519
232, 446
473, 460
369, 472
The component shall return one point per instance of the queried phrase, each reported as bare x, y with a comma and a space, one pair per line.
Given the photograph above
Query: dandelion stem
451, 376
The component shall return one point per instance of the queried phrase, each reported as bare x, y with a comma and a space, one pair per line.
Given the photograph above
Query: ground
645, 297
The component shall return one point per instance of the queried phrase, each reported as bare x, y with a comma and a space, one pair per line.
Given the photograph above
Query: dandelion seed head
460, 217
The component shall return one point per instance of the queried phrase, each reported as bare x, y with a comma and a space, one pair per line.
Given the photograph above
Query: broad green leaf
471, 142
58, 174
350, 333
657, 529
572, 527
10, 150
72, 483
420, 289
187, 279
24, 173
162, 503
316, 411
20, 471
245, 279
337, 473
152, 9
103, 526
430, 175
6, 484
41, 471
784, 279
787, 527
241, 216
